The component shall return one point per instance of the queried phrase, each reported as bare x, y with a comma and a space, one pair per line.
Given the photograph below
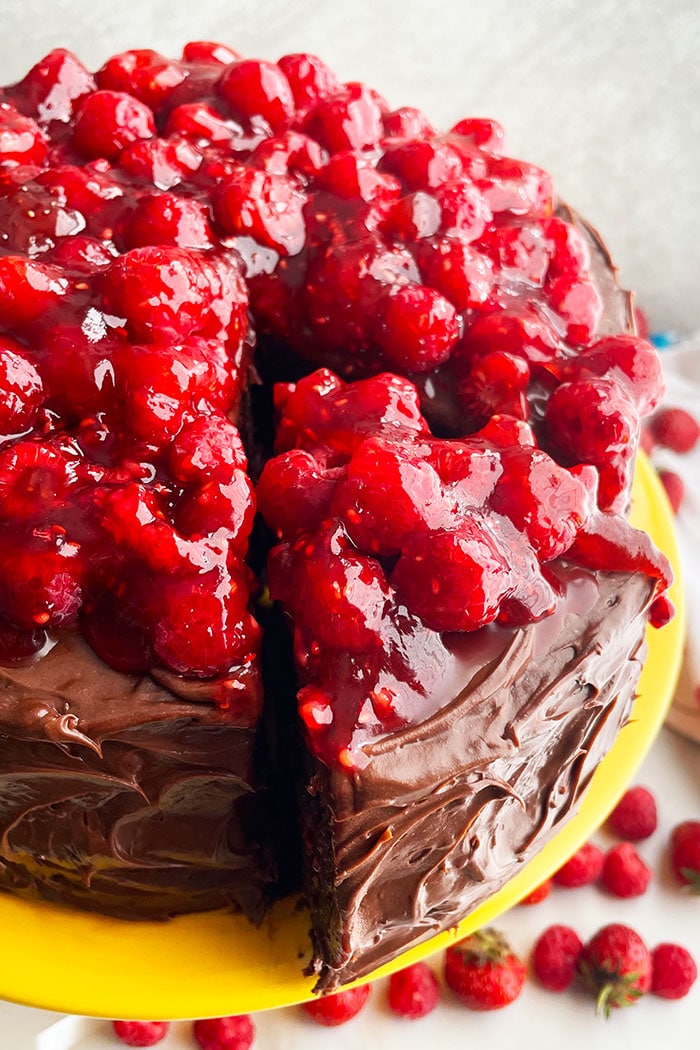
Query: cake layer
445, 812
120, 796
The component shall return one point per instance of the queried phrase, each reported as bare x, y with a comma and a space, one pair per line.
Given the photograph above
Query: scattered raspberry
332, 1010
225, 1033
539, 894
624, 872
675, 429
634, 817
615, 965
584, 867
414, 992
483, 971
140, 1033
554, 957
674, 971
675, 488
685, 854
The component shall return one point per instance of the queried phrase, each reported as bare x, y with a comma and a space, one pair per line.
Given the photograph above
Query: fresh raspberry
634, 817
225, 1033
624, 872
108, 121
583, 868
674, 971
483, 971
615, 965
661, 611
676, 429
414, 992
539, 894
554, 957
257, 90
140, 1033
417, 328
333, 1010
685, 854
675, 488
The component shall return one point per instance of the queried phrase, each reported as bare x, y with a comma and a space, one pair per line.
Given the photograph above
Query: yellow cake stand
217, 963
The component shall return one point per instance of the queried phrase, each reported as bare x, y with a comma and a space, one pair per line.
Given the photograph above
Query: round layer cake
231, 285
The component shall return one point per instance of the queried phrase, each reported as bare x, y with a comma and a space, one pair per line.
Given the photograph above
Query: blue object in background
663, 340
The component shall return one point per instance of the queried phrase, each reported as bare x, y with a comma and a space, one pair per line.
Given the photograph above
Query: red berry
21, 139
615, 965
624, 872
141, 1033
145, 74
333, 1010
631, 361
28, 289
579, 303
554, 957
309, 78
675, 488
52, 89
414, 992
685, 854
482, 132
406, 123
225, 1033
456, 270
676, 429
266, 206
257, 90
539, 894
200, 123
163, 218
483, 971
208, 51
425, 164
350, 118
109, 121
21, 390
584, 867
634, 817
417, 328
674, 971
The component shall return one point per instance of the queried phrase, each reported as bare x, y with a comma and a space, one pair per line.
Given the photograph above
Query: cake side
121, 797
445, 812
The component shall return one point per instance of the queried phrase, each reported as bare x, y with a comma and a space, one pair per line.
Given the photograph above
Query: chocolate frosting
445, 812
120, 796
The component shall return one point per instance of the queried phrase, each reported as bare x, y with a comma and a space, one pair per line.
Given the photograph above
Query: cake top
159, 217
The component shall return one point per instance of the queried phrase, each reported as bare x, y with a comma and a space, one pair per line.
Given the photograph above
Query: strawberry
674, 971
624, 872
332, 1010
675, 429
675, 488
539, 893
140, 1033
615, 965
585, 866
685, 854
225, 1033
413, 992
484, 971
634, 817
554, 957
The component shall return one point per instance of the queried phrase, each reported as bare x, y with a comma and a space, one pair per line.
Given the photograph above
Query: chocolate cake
231, 284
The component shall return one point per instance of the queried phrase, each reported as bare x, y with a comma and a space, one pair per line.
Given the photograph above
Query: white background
605, 95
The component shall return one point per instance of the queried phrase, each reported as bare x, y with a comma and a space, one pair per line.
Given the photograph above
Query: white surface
603, 93
539, 1020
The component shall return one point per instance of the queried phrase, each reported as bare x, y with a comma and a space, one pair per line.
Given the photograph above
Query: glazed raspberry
309, 78
624, 872
257, 91
21, 139
145, 74
294, 493
348, 174
496, 384
407, 122
483, 971
333, 1010
350, 118
28, 290
160, 162
414, 217
108, 121
53, 87
634, 817
676, 429
414, 992
674, 486
519, 332
615, 965
417, 328
539, 894
225, 1033
427, 164
265, 206
674, 971
515, 187
454, 580
208, 51
209, 447
459, 272
568, 251
521, 250
164, 219
584, 867
463, 209
579, 303
21, 390
685, 854
482, 132
201, 123
632, 362
141, 1033
554, 957
291, 153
